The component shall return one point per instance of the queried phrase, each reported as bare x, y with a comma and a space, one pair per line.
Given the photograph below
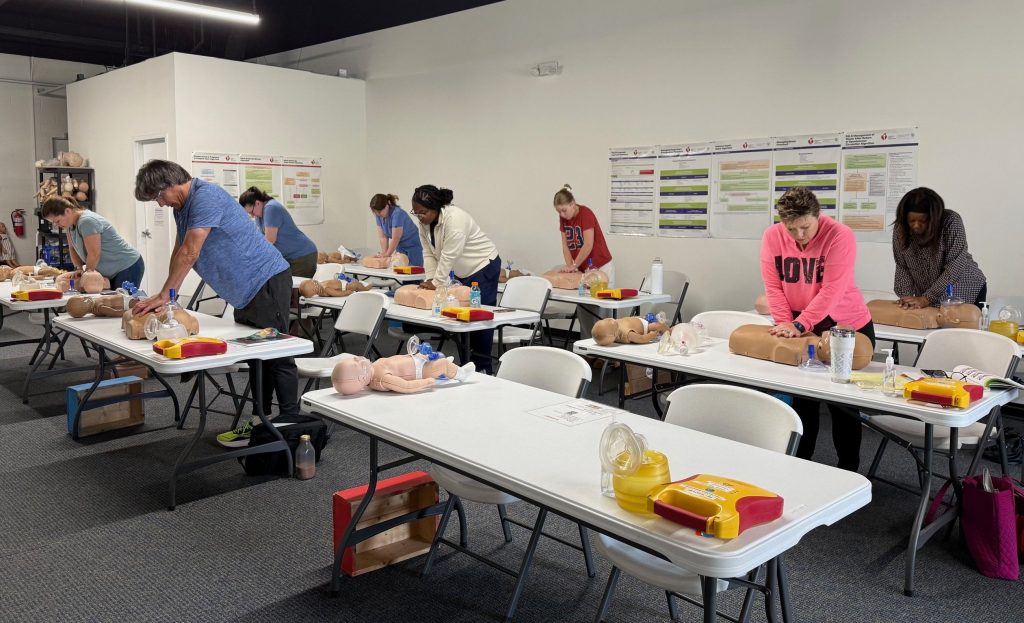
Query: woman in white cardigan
453, 242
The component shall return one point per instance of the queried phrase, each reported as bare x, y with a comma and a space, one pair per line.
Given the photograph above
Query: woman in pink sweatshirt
807, 263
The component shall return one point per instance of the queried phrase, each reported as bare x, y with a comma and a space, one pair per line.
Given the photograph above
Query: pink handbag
992, 523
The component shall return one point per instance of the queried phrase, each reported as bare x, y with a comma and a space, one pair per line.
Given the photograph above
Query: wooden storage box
637, 380
393, 497
108, 417
127, 368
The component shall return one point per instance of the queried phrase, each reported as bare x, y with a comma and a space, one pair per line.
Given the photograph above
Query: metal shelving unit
52, 242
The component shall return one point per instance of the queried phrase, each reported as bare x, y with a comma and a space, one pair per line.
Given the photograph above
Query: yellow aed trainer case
716, 505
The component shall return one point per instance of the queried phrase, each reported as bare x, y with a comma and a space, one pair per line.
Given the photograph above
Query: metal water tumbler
657, 276
842, 341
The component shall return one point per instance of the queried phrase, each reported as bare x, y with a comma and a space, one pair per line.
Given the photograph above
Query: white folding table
105, 335
423, 317
716, 362
483, 428
358, 270
44, 343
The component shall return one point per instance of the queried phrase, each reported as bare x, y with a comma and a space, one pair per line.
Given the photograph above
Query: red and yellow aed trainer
408, 270
184, 347
617, 293
945, 392
42, 294
715, 505
467, 314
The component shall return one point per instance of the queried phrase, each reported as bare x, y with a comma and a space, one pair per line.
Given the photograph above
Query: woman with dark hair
94, 243
929, 244
279, 229
395, 229
807, 264
453, 242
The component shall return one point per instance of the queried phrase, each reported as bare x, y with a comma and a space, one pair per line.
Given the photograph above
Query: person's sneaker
238, 438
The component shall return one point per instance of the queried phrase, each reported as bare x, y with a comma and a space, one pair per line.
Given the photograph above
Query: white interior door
154, 225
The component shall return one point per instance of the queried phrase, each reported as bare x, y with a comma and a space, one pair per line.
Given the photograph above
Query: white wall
241, 107
106, 114
450, 102
27, 123
202, 103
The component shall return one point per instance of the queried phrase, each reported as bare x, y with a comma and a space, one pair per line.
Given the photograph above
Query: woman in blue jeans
94, 243
453, 242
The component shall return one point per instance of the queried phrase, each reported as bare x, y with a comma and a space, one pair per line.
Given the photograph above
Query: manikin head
604, 331
350, 376
799, 211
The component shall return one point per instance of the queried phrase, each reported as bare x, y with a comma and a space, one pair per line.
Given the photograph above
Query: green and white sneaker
238, 438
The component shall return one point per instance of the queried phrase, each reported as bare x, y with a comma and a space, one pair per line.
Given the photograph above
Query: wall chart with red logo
295, 181
728, 188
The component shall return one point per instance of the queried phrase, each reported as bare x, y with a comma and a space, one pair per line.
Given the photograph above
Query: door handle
145, 232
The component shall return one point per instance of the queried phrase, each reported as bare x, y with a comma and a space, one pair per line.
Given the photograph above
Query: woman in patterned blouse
929, 244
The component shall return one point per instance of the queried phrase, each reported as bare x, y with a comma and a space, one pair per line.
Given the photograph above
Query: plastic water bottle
474, 295
657, 276
984, 316
584, 280
305, 459
440, 294
71, 287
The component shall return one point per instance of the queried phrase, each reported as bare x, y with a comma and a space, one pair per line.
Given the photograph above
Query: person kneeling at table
807, 264
216, 237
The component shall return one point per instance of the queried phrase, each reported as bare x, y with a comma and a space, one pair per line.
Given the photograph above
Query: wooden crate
393, 497
637, 380
127, 368
109, 417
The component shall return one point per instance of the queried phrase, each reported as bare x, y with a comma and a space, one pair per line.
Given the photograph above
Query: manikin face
802, 229
352, 375
567, 210
917, 222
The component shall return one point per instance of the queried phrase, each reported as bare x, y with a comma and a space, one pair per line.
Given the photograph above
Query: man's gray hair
158, 175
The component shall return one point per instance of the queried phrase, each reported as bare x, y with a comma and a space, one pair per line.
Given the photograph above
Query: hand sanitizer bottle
889, 375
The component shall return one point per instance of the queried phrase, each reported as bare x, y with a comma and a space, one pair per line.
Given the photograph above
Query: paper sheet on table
575, 412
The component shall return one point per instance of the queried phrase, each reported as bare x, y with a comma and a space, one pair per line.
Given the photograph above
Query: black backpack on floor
291, 427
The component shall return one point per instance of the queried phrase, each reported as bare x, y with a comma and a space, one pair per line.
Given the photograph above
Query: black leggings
846, 429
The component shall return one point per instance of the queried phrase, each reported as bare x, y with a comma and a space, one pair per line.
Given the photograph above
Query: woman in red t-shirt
582, 243
582, 238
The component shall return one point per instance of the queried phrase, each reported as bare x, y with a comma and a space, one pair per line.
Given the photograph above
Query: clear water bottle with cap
305, 459
449, 297
474, 295
657, 285
983, 324
71, 287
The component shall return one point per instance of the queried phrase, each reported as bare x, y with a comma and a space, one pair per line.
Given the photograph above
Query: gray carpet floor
85, 536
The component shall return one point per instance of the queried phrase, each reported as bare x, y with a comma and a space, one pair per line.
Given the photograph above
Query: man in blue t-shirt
216, 237
279, 229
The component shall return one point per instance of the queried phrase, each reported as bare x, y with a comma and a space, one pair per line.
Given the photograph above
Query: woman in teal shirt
279, 229
395, 229
94, 242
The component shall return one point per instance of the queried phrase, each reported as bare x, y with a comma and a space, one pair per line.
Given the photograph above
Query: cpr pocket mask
185, 347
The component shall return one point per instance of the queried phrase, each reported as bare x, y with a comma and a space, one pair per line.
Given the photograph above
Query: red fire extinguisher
18, 220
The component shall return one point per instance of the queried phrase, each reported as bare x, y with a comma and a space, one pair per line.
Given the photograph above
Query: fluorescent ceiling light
201, 10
